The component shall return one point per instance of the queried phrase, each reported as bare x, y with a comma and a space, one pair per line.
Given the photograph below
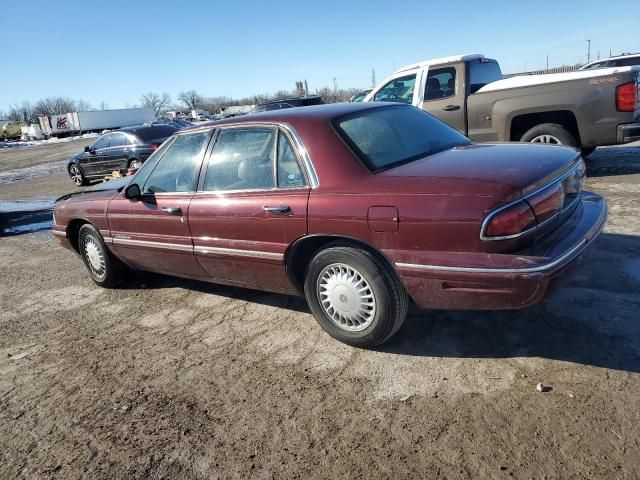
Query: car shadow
593, 320
612, 161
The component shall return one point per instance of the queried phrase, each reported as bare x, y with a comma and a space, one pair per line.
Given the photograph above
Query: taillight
626, 97
512, 220
548, 202
154, 147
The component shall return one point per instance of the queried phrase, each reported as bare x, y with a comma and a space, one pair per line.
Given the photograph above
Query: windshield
396, 134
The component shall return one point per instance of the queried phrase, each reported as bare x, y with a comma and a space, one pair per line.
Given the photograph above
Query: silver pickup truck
583, 109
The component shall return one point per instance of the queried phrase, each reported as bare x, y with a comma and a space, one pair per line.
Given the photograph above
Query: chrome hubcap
546, 139
76, 176
93, 256
346, 297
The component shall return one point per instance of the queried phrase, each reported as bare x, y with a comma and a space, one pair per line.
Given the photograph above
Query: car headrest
451, 83
434, 84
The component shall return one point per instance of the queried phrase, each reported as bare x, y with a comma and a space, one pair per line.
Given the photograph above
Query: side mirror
87, 149
132, 192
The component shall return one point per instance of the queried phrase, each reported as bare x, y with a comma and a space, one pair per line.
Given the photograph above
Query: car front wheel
76, 175
354, 296
104, 269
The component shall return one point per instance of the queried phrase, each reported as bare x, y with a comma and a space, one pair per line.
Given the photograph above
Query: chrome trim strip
59, 233
534, 269
485, 222
148, 243
233, 251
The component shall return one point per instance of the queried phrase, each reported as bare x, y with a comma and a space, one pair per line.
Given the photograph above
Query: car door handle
451, 108
278, 209
172, 210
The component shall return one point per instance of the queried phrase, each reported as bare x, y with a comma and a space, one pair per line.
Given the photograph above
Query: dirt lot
172, 379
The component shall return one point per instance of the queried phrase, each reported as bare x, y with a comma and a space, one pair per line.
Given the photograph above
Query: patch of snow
35, 171
530, 80
51, 140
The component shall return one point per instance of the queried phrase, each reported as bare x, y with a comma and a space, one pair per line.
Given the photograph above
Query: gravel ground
167, 378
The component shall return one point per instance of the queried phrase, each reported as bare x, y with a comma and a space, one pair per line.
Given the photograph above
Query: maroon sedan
358, 207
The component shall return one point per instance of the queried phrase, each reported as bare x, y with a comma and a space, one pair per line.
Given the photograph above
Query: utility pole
547, 61
335, 86
373, 77
588, 50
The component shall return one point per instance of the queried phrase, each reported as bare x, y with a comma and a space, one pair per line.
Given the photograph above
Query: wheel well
73, 229
522, 123
298, 255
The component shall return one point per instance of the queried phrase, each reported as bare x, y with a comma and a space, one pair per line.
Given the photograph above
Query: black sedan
118, 150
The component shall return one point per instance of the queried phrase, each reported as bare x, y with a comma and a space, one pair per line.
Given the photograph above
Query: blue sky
115, 51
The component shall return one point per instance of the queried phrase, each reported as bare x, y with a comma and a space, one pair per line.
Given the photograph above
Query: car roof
440, 61
615, 57
296, 114
290, 99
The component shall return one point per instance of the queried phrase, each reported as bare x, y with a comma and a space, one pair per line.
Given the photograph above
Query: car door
91, 161
444, 95
152, 233
115, 157
250, 206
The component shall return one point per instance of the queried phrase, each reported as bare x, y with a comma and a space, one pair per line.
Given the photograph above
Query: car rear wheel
551, 133
76, 175
354, 296
104, 268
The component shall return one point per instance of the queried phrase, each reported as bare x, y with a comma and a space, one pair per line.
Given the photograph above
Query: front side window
398, 90
389, 136
242, 159
441, 83
177, 170
289, 172
102, 142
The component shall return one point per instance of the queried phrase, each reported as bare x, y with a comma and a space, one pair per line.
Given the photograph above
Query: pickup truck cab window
242, 159
397, 90
441, 83
177, 170
483, 72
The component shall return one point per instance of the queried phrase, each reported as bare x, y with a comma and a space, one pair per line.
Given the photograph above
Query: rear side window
628, 62
118, 140
177, 170
242, 159
482, 73
289, 172
389, 136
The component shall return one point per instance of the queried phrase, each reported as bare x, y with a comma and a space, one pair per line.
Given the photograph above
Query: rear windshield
156, 132
388, 136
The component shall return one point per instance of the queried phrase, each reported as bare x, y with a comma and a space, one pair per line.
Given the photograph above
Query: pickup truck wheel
104, 269
354, 296
76, 175
552, 133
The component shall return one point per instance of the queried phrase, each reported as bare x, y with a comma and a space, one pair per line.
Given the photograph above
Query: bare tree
159, 103
104, 105
22, 113
82, 106
53, 106
190, 98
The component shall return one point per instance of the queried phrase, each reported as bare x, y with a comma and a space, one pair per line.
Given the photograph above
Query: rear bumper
628, 132
526, 282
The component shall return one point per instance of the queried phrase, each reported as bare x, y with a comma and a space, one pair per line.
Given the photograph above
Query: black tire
587, 151
390, 300
75, 172
104, 268
555, 131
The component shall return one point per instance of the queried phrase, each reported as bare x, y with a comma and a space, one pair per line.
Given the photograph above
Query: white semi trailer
82, 122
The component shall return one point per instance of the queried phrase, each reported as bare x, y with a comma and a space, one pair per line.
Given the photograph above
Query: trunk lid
523, 167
